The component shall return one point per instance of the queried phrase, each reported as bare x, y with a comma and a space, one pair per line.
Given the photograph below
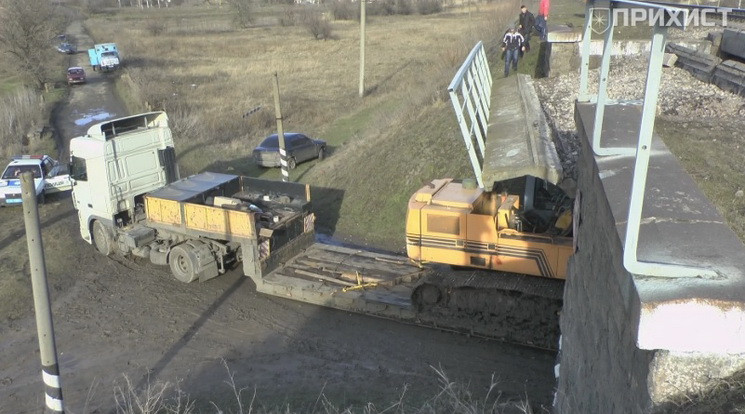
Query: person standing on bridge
541, 20
512, 45
526, 21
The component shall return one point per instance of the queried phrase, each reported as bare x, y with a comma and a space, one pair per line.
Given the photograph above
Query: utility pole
42, 308
362, 48
280, 132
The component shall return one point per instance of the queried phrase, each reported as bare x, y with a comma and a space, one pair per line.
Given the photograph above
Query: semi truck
104, 57
131, 201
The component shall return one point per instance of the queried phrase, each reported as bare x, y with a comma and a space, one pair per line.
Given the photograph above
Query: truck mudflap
388, 286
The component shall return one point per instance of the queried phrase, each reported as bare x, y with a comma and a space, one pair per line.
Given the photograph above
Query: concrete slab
733, 43
563, 34
700, 65
669, 60
730, 76
680, 226
518, 137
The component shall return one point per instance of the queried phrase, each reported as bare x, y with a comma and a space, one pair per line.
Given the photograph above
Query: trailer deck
382, 284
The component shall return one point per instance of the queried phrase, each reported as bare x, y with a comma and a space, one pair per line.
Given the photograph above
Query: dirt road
130, 318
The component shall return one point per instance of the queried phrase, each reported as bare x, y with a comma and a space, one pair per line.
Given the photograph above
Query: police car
48, 178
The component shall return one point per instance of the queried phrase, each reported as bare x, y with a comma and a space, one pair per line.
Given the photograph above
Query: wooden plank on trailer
359, 263
323, 277
344, 273
367, 274
356, 252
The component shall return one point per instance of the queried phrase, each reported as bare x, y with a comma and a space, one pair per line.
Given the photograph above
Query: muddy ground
122, 319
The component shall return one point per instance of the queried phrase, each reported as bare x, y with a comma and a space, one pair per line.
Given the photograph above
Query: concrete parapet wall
633, 343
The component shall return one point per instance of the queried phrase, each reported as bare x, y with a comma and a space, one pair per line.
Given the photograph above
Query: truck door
93, 58
82, 197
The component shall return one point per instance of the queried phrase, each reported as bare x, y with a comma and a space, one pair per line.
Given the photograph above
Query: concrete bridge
502, 124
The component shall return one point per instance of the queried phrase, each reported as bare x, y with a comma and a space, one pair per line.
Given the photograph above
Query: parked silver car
299, 148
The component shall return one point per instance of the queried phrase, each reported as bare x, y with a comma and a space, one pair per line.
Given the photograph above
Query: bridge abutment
639, 344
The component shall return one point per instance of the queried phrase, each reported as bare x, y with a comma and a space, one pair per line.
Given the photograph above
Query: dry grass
383, 147
450, 397
725, 396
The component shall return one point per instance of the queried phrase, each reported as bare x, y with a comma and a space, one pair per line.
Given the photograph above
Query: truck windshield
15, 171
108, 54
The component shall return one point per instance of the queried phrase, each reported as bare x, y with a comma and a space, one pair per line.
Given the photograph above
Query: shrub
345, 10
93, 6
156, 27
243, 17
319, 27
429, 6
377, 8
404, 7
289, 17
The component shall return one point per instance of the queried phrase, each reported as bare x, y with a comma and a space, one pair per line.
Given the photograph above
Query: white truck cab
47, 178
115, 164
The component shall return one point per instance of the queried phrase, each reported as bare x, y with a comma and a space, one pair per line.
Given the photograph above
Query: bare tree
27, 28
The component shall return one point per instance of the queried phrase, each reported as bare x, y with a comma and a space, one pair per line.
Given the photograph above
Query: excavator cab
521, 225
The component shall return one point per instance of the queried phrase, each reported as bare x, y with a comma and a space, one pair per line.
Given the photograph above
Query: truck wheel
102, 239
183, 263
41, 198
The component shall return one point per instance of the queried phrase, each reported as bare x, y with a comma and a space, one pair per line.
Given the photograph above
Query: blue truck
104, 56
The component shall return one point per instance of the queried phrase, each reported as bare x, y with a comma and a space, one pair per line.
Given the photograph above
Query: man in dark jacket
526, 21
512, 45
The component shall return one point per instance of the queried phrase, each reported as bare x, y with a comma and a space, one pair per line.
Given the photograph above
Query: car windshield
75, 71
15, 171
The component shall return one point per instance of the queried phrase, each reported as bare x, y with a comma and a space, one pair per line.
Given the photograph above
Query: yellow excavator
496, 242
521, 225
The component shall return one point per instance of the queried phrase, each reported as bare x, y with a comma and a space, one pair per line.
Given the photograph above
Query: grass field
207, 75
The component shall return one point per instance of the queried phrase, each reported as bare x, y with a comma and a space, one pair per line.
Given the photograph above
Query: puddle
94, 116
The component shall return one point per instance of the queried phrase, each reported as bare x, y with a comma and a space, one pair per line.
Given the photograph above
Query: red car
75, 74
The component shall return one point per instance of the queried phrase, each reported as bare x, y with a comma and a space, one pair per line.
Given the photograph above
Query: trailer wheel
183, 263
102, 238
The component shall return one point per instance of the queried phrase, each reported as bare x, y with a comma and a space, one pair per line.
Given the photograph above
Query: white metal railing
470, 93
671, 17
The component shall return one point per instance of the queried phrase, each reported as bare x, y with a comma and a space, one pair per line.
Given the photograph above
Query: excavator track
512, 308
